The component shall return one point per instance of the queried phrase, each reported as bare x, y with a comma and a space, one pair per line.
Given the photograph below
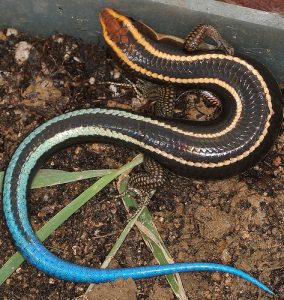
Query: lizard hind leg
144, 183
196, 37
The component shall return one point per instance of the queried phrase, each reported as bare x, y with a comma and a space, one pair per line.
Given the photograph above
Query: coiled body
251, 101
240, 136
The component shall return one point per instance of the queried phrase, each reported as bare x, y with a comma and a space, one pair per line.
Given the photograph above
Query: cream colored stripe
140, 39
218, 82
146, 72
91, 130
172, 157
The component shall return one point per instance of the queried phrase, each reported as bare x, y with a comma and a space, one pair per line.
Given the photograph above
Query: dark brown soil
238, 221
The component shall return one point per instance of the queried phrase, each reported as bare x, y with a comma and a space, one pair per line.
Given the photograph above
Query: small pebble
92, 80
116, 74
77, 59
245, 235
11, 31
113, 211
22, 52
216, 276
67, 56
58, 39
277, 161
67, 53
113, 88
74, 248
226, 257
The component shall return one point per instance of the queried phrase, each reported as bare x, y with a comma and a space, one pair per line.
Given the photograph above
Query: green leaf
154, 242
49, 177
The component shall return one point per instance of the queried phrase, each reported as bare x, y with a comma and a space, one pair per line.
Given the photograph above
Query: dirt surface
119, 289
238, 221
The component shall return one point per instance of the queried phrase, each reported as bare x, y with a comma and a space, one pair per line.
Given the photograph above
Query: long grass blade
49, 177
155, 243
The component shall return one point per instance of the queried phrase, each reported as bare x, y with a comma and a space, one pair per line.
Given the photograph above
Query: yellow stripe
122, 137
206, 80
139, 38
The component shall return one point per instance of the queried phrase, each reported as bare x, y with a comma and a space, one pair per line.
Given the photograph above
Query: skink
243, 133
